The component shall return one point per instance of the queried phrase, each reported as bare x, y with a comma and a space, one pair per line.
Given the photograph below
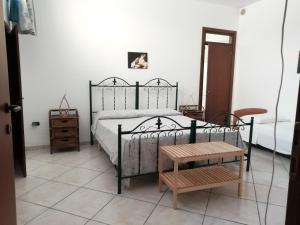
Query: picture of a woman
137, 60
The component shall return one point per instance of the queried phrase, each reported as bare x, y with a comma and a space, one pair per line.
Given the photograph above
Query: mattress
263, 135
105, 131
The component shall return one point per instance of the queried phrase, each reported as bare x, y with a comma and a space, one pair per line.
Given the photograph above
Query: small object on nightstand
64, 129
193, 111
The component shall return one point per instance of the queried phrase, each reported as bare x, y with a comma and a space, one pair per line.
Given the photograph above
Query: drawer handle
64, 131
64, 121
64, 140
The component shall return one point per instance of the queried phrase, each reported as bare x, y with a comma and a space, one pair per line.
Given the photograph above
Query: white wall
81, 40
258, 57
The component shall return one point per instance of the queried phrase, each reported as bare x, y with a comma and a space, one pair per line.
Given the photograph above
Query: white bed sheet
263, 135
105, 131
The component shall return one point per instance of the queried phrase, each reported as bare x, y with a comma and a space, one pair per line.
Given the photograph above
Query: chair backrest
247, 111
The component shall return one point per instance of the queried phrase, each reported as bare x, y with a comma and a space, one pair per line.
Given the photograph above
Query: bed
132, 129
263, 133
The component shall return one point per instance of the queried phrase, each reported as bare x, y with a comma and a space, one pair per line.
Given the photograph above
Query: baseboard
37, 147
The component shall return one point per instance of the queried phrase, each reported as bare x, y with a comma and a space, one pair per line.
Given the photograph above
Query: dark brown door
219, 81
7, 188
293, 204
16, 98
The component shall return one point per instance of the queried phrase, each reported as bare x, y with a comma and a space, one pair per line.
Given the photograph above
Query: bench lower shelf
199, 178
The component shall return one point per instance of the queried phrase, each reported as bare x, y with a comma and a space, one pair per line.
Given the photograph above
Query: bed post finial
159, 123
119, 159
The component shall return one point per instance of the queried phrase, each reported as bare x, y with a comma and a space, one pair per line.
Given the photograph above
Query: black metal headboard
120, 94
158, 93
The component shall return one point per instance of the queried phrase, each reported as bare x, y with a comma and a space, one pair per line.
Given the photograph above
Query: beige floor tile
143, 188
214, 221
32, 164
101, 163
168, 216
233, 209
77, 176
286, 163
247, 176
232, 190
78, 158
27, 211
106, 182
49, 171
276, 214
52, 158
281, 179
84, 202
278, 195
48, 194
95, 223
123, 211
53, 217
33, 153
192, 201
25, 184
265, 165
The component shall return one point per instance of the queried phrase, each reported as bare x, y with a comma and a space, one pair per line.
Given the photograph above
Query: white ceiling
232, 3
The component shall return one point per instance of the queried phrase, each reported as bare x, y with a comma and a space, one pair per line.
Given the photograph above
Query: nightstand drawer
64, 142
64, 122
64, 132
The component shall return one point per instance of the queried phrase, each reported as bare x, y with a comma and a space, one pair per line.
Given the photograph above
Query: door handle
12, 108
8, 129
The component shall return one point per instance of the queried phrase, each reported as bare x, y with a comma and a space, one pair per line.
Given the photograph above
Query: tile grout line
114, 195
257, 206
208, 199
52, 180
157, 204
92, 218
227, 220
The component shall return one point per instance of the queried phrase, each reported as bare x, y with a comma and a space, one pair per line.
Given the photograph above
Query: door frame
232, 34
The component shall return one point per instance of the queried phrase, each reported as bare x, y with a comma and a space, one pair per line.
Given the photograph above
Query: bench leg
175, 194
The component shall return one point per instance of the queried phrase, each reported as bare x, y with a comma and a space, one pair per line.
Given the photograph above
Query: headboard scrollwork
116, 93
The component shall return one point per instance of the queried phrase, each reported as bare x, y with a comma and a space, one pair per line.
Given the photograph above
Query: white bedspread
106, 133
263, 135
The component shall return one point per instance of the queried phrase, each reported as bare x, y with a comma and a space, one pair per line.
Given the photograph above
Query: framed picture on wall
137, 60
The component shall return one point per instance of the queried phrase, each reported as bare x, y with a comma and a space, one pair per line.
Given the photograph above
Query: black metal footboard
159, 127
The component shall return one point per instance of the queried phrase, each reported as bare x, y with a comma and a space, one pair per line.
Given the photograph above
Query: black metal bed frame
157, 129
116, 82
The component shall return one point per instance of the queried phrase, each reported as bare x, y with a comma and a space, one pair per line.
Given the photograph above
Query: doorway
216, 74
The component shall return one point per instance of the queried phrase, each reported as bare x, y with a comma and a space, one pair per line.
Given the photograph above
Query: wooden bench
180, 181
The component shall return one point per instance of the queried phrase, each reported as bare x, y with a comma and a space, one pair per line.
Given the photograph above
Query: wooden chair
247, 111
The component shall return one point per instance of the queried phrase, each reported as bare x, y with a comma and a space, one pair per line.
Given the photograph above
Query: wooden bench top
198, 151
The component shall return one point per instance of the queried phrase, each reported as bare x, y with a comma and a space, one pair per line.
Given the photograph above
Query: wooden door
16, 98
7, 188
293, 204
219, 81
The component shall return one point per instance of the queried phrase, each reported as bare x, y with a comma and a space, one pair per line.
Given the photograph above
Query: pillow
264, 118
158, 112
270, 119
116, 114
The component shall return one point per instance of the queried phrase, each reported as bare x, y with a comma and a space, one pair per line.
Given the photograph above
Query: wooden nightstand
193, 111
64, 130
